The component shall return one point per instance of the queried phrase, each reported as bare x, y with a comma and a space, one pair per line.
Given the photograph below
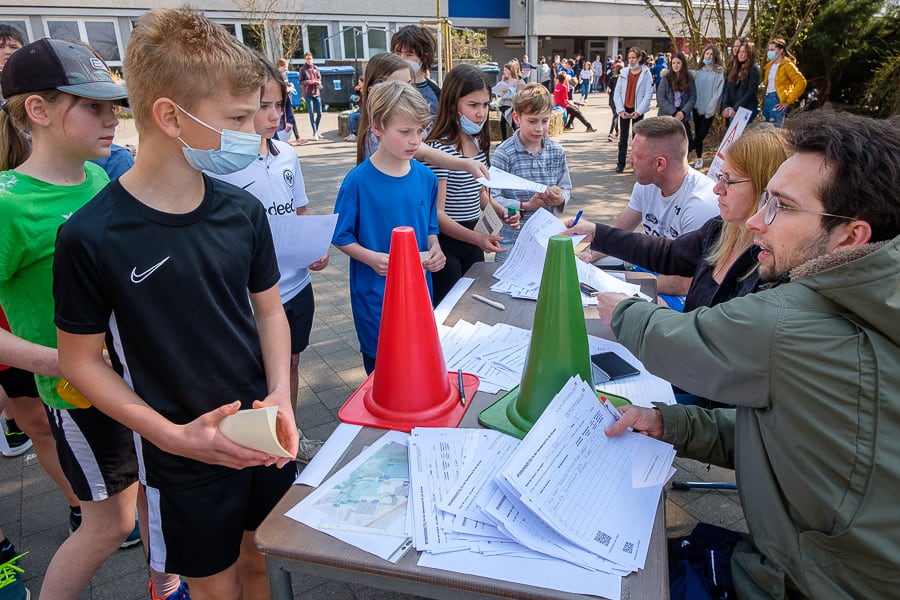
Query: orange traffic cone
410, 386
558, 348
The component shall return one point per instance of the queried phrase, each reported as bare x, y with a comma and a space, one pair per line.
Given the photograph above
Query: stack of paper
566, 508
520, 274
566, 500
496, 353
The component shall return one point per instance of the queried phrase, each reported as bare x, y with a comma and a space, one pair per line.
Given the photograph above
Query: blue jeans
770, 115
353, 121
585, 88
314, 107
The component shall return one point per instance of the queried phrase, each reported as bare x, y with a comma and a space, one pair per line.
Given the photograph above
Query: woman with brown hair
741, 82
677, 94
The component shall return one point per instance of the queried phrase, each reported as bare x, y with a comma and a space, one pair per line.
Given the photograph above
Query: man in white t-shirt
670, 198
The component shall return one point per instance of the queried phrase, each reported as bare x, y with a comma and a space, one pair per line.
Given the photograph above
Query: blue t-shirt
117, 163
370, 204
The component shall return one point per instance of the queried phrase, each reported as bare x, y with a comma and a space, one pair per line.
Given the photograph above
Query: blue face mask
469, 126
237, 150
707, 61
770, 55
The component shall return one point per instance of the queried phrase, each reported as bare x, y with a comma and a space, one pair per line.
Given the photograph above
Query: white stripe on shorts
83, 453
156, 543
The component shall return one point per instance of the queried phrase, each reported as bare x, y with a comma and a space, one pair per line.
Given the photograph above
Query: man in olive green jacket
812, 365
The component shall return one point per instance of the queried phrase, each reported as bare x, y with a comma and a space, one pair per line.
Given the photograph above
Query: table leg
279, 579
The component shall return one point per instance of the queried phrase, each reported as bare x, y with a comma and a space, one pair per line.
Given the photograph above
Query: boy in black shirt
164, 265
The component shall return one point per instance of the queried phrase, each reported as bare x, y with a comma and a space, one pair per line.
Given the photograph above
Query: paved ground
33, 513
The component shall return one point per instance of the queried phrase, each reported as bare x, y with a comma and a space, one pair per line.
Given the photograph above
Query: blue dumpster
337, 85
297, 95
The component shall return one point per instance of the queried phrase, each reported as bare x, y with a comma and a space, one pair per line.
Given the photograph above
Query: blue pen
577, 218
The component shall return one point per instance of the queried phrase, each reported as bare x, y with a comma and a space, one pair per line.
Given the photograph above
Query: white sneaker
317, 137
350, 138
699, 163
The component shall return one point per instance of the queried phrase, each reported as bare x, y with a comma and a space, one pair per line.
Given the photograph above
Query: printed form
599, 492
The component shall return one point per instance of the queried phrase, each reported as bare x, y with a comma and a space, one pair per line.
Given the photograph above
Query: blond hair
392, 98
533, 99
182, 55
758, 155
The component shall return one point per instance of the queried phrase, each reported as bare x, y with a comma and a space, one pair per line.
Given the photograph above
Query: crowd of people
777, 278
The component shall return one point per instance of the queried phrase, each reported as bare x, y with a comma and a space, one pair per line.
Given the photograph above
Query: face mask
770, 55
707, 61
414, 65
469, 126
238, 150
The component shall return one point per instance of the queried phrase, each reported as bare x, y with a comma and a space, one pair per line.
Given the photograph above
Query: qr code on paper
602, 538
628, 548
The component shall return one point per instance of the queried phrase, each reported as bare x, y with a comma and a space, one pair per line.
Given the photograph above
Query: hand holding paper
257, 429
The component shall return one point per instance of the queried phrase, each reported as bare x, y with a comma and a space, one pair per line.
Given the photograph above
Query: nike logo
139, 277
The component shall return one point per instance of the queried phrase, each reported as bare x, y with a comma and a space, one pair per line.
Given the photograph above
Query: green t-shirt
31, 211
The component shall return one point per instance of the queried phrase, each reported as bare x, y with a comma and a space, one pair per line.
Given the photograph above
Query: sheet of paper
496, 353
501, 180
579, 481
435, 456
303, 240
602, 281
642, 389
525, 262
365, 502
442, 310
255, 428
489, 222
328, 455
540, 572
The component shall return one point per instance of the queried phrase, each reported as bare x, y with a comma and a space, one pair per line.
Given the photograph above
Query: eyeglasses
773, 205
728, 183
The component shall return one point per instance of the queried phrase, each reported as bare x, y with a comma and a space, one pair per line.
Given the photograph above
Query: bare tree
275, 25
720, 21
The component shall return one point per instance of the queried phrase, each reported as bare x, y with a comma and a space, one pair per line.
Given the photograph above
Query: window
229, 27
317, 41
354, 47
363, 41
378, 41
20, 25
102, 36
251, 35
63, 30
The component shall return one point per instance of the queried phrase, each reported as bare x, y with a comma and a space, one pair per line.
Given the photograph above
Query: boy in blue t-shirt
387, 190
177, 273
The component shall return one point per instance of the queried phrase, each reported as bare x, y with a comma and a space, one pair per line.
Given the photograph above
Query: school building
342, 32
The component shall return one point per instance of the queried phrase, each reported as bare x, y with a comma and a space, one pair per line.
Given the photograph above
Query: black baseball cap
69, 67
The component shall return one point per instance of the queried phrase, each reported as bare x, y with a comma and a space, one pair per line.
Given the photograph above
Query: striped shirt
463, 199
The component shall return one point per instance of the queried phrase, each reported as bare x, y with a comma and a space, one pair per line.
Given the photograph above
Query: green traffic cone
558, 349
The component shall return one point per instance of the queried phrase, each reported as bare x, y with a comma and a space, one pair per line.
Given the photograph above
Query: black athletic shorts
96, 452
196, 531
18, 383
299, 311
